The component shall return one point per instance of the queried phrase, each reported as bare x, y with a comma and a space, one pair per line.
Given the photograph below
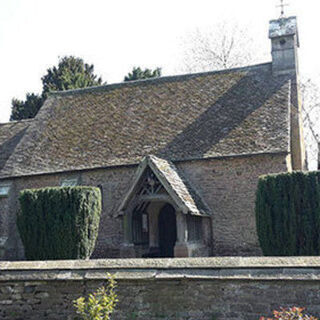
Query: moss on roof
237, 111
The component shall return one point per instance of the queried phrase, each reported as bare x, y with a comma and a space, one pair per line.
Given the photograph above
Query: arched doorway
167, 231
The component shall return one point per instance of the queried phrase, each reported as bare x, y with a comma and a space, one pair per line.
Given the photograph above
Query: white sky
116, 35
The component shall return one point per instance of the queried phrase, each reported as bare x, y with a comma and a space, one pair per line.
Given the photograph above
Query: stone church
177, 158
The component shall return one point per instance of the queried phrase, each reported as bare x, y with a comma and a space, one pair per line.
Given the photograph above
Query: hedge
288, 214
59, 223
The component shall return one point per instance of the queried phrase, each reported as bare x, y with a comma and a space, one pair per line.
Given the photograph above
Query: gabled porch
162, 215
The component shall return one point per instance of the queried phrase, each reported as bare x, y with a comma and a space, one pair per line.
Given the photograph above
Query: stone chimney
283, 33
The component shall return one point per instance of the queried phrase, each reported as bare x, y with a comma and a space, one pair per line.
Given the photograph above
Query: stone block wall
227, 185
194, 288
114, 183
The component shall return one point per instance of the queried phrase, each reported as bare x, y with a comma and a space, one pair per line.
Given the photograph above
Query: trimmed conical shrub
59, 223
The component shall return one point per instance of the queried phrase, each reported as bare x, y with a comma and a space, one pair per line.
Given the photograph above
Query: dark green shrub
288, 214
59, 223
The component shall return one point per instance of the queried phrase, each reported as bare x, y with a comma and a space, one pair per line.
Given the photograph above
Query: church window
194, 225
4, 190
140, 230
69, 182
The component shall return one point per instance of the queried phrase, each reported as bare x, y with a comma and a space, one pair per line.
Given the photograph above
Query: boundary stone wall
193, 288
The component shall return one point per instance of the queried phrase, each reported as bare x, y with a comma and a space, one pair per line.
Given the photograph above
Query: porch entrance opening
167, 227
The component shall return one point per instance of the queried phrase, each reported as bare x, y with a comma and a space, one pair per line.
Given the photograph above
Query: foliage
293, 313
137, 74
100, 304
71, 73
288, 214
59, 223
26, 109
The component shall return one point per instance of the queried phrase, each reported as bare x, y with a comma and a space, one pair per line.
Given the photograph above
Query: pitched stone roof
10, 135
196, 116
178, 188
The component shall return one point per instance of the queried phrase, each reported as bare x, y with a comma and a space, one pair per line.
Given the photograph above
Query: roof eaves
134, 164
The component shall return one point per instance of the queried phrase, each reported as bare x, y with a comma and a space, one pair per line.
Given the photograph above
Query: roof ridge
179, 77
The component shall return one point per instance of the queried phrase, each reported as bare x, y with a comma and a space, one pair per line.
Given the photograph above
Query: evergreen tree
138, 74
71, 73
288, 214
26, 109
59, 223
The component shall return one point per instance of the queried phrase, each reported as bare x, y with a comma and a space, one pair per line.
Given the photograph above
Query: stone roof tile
180, 186
10, 135
237, 111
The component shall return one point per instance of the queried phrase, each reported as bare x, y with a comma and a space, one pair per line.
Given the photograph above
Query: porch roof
177, 187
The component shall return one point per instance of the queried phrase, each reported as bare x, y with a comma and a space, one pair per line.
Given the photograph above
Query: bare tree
227, 45
310, 94
223, 46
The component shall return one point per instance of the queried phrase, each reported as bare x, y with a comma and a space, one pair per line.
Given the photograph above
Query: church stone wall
227, 186
114, 183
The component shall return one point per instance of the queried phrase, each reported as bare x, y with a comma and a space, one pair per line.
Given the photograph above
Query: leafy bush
100, 304
59, 223
288, 214
293, 313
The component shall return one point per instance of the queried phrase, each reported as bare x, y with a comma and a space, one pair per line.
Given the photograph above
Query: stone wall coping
168, 263
219, 268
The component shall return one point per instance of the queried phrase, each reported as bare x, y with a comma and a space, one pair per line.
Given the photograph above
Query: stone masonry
193, 288
228, 185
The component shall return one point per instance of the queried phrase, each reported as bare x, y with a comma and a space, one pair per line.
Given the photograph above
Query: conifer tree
70, 73
138, 74
26, 109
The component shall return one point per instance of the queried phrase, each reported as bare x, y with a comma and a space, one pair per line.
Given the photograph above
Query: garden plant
293, 313
100, 304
